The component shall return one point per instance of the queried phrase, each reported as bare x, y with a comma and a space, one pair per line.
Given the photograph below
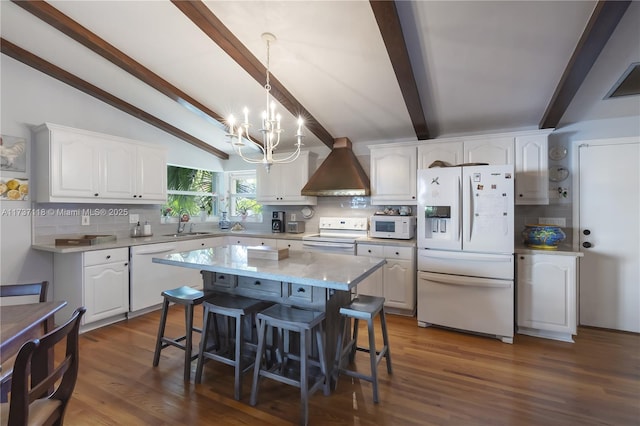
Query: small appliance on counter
277, 221
295, 227
395, 227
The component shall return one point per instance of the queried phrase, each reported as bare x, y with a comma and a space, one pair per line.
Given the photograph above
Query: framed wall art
14, 168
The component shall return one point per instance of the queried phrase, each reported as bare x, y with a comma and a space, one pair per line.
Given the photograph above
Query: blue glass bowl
541, 236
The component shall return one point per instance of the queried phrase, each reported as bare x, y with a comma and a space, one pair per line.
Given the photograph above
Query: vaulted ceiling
374, 71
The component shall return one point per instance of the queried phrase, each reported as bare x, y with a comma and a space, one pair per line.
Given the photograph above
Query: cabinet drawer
370, 250
99, 257
391, 252
270, 287
224, 280
298, 293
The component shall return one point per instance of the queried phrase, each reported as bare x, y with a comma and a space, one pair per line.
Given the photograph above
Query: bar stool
363, 308
306, 323
231, 307
187, 297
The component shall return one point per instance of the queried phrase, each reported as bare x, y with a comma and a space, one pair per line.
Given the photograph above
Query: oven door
329, 247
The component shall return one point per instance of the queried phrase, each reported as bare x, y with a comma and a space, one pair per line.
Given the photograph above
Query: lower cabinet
546, 294
395, 281
97, 280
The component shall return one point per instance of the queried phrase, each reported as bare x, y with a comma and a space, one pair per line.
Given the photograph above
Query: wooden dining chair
15, 290
41, 396
35, 289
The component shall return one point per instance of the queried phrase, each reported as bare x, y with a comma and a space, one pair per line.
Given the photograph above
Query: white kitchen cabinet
546, 293
532, 169
283, 184
251, 241
97, 280
290, 244
495, 150
395, 281
450, 152
393, 175
80, 166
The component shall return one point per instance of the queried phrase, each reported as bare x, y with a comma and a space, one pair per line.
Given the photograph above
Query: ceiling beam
58, 73
603, 22
204, 19
93, 42
389, 24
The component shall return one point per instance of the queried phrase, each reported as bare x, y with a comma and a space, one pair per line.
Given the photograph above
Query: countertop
562, 250
128, 241
331, 271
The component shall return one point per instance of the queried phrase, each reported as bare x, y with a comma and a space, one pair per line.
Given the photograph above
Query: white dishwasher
148, 280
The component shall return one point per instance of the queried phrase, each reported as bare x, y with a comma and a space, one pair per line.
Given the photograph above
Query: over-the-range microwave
396, 227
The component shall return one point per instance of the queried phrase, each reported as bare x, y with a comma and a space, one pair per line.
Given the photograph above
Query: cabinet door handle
301, 290
397, 254
587, 244
257, 283
109, 256
135, 196
126, 264
95, 195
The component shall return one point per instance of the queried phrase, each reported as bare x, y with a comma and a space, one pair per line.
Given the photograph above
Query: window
242, 196
191, 190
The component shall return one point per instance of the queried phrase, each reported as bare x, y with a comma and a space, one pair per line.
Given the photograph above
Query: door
439, 195
487, 209
607, 224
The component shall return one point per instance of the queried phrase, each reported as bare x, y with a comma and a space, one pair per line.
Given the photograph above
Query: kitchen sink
187, 234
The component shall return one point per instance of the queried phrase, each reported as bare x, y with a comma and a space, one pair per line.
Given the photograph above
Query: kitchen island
310, 280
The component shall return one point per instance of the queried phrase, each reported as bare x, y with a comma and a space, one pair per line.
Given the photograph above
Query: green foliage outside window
190, 190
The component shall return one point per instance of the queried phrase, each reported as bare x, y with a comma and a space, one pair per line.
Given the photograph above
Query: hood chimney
339, 175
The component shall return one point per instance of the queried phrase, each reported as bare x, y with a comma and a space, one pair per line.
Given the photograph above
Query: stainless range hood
339, 175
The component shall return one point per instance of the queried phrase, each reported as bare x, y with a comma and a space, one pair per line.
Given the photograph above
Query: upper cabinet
393, 174
532, 169
85, 167
283, 184
527, 151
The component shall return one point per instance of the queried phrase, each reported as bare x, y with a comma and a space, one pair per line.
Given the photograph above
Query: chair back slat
26, 386
34, 289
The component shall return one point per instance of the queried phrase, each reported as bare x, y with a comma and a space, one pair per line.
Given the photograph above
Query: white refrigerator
465, 249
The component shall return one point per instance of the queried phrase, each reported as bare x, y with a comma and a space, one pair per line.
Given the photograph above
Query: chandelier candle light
270, 130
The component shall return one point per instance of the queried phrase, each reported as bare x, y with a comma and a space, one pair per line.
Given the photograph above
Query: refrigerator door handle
464, 281
458, 231
470, 209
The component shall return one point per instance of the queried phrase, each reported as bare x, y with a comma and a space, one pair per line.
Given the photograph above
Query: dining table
24, 322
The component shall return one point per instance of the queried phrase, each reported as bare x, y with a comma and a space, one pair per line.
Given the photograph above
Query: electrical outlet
134, 218
85, 220
293, 217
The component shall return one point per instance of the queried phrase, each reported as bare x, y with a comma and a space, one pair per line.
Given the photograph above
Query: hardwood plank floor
440, 377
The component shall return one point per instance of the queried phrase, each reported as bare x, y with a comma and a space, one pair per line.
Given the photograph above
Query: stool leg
320, 336
203, 344
304, 375
354, 348
163, 322
188, 316
373, 359
262, 336
238, 359
337, 364
383, 323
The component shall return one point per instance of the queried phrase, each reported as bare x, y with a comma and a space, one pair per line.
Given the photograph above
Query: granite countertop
331, 271
562, 250
155, 239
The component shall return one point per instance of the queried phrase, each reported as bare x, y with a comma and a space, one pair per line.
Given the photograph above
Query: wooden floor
440, 378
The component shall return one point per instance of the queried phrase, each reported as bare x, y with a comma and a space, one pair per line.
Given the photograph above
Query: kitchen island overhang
329, 271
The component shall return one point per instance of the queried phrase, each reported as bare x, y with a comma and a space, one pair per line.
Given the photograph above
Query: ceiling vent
628, 84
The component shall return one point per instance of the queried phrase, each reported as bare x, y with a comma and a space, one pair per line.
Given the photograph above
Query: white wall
30, 98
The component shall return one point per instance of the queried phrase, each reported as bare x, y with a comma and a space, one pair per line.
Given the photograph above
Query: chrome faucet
183, 218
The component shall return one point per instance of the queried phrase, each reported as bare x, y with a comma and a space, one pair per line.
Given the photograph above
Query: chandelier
270, 129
